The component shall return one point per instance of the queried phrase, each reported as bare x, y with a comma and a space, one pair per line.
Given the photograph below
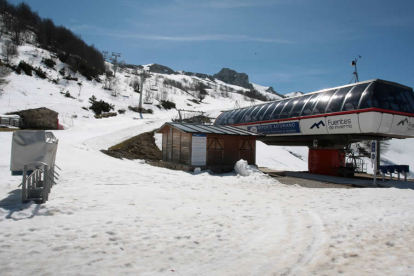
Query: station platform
359, 181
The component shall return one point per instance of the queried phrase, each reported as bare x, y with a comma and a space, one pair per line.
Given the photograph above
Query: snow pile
242, 168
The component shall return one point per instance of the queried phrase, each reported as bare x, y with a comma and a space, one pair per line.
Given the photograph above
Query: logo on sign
339, 124
402, 122
317, 125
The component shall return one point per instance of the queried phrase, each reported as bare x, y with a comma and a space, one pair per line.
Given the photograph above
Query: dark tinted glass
240, 116
247, 118
298, 107
222, 118
410, 98
230, 119
353, 97
278, 109
366, 98
403, 102
307, 109
288, 107
337, 99
255, 112
384, 98
262, 112
391, 97
323, 102
269, 111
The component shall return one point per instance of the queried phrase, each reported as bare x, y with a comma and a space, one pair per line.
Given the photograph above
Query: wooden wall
221, 149
176, 146
227, 150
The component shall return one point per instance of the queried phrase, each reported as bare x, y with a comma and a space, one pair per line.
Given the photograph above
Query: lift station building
330, 120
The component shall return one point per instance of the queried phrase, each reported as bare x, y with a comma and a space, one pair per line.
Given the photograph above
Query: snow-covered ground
120, 217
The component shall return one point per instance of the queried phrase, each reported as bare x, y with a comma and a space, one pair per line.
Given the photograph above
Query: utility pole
105, 55
143, 75
114, 59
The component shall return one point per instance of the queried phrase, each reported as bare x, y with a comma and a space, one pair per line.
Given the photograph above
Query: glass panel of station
307, 109
226, 120
337, 100
410, 98
240, 116
269, 111
288, 107
353, 97
366, 98
278, 109
246, 116
253, 116
323, 102
390, 97
298, 107
222, 118
260, 115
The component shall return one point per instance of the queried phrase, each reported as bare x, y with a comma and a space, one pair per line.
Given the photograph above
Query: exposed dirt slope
138, 147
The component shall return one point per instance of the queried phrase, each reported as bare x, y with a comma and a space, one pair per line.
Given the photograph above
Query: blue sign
282, 128
199, 135
373, 146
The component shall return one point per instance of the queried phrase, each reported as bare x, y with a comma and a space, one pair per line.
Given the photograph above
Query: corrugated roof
211, 129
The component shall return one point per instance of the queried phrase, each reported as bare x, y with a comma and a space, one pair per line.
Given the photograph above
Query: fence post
24, 188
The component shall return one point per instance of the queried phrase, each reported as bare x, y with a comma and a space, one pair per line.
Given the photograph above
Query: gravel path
308, 183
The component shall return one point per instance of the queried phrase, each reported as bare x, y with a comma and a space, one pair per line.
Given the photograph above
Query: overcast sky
292, 45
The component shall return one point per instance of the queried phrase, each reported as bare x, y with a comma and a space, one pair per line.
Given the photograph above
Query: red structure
327, 162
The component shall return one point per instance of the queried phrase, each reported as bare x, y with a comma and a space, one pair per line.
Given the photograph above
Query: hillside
110, 216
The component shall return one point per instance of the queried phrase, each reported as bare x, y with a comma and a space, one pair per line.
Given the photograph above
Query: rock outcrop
232, 77
161, 69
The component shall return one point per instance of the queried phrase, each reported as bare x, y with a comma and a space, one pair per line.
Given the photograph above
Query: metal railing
37, 185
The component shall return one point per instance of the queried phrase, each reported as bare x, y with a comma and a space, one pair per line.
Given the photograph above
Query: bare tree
9, 50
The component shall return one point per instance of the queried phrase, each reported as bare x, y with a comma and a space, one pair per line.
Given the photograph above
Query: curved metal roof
362, 95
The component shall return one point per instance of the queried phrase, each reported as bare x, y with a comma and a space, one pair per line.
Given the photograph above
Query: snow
263, 90
293, 94
242, 168
109, 216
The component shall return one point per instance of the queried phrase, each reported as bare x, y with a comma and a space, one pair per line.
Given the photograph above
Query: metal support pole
140, 90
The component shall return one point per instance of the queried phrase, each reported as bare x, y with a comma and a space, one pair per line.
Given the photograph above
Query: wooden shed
217, 148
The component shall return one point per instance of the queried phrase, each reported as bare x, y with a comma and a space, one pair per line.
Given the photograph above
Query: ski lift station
330, 120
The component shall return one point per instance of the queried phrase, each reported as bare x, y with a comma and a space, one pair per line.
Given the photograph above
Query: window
255, 112
240, 116
337, 99
298, 107
410, 98
323, 102
226, 119
366, 98
262, 112
269, 111
288, 107
307, 109
231, 119
278, 109
353, 97
221, 119
246, 118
